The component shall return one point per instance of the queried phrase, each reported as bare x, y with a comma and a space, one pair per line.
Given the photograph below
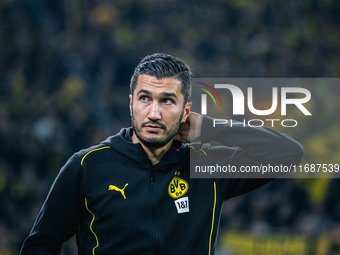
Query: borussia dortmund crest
177, 187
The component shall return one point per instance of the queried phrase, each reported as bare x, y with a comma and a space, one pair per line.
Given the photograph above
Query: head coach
132, 193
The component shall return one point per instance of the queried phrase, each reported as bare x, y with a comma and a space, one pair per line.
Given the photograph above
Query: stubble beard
156, 142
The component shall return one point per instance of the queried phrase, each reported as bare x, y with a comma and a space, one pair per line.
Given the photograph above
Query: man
132, 194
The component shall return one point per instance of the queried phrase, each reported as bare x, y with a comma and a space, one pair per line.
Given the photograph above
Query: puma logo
112, 187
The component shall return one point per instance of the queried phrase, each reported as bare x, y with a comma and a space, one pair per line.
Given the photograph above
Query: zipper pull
152, 176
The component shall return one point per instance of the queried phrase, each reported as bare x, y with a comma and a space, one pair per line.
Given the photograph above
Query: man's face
157, 110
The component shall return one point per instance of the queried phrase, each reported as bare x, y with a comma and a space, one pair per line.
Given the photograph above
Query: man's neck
154, 154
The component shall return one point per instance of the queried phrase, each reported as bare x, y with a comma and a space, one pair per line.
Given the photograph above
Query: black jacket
117, 202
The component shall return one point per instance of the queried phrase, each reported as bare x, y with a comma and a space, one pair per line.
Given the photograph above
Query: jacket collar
122, 143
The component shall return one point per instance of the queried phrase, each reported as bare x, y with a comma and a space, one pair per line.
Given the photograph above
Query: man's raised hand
190, 130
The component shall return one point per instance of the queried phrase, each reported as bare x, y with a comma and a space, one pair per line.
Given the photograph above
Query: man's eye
168, 101
144, 99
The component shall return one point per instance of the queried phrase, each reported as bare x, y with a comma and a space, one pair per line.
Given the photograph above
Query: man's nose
155, 113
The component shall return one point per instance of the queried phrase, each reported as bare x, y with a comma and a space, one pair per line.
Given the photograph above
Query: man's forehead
151, 84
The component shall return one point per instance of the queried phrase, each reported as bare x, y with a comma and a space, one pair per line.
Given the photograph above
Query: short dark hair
162, 65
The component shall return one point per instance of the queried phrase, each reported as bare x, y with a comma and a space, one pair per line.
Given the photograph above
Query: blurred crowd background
65, 68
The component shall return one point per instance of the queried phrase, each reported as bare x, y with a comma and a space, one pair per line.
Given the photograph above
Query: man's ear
186, 111
130, 105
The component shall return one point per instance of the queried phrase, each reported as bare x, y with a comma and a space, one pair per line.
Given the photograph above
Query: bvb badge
177, 187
